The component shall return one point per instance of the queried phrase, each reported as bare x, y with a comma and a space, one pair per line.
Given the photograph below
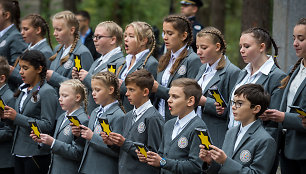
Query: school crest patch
182, 70
245, 156
182, 142
141, 127
37, 98
98, 129
67, 130
68, 64
3, 43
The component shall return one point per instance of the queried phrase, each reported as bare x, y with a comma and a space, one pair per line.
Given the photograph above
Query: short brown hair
142, 78
190, 88
4, 68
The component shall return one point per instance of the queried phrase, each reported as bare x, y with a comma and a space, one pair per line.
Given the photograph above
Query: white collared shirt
66, 51
180, 124
25, 95
128, 61
5, 30
104, 58
142, 109
208, 74
165, 78
250, 79
104, 109
30, 47
241, 133
295, 84
2, 86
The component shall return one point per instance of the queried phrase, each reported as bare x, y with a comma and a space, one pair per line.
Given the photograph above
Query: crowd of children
185, 112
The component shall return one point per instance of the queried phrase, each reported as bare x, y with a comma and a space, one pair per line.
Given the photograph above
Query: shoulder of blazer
80, 48
13, 31
170, 123
151, 60
276, 71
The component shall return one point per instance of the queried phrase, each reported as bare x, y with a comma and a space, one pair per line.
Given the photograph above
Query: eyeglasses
238, 104
98, 37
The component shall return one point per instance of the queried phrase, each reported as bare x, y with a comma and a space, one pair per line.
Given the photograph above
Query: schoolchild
6, 131
11, 42
107, 39
139, 43
179, 61
143, 124
216, 72
34, 28
248, 147
98, 157
261, 69
66, 33
293, 157
36, 101
65, 148
178, 151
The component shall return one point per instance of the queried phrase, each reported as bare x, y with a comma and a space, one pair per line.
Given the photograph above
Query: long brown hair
285, 81
182, 25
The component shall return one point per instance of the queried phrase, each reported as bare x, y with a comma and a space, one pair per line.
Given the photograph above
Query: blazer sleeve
86, 60
294, 122
210, 107
17, 47
48, 109
6, 132
73, 151
56, 79
193, 67
191, 165
262, 161
87, 81
154, 133
152, 67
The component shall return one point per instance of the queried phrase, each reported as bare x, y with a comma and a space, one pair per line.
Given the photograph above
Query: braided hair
216, 36
36, 59
13, 8
39, 21
263, 36
285, 81
142, 30
71, 21
182, 25
109, 79
78, 88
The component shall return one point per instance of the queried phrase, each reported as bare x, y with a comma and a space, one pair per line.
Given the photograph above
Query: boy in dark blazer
143, 124
6, 132
248, 147
178, 152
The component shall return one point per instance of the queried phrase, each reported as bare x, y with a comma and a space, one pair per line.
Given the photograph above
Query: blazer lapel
202, 70
247, 135
29, 96
179, 135
300, 89
7, 33
229, 148
214, 80
58, 126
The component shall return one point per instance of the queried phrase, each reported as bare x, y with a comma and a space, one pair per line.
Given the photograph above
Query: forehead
240, 97
247, 38
129, 29
205, 40
101, 29
177, 90
66, 88
97, 82
59, 22
24, 62
132, 85
168, 26
299, 30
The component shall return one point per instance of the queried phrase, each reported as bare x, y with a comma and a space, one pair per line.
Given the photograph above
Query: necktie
134, 117
98, 128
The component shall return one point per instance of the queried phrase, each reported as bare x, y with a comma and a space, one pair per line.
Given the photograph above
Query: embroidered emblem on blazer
3, 43
182, 70
141, 127
67, 130
245, 156
182, 142
68, 64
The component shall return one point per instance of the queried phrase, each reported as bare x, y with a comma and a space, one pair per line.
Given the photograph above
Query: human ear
78, 97
256, 109
146, 92
218, 47
191, 101
38, 30
262, 47
184, 36
111, 90
2, 78
72, 30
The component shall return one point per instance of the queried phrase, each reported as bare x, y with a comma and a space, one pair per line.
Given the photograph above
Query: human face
245, 113
104, 44
207, 50
68, 99
250, 49
173, 39
83, 22
299, 41
136, 95
188, 10
62, 33
28, 73
178, 104
101, 94
28, 32
130, 41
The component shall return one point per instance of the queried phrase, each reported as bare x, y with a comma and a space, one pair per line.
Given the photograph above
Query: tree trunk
70, 5
172, 7
203, 15
255, 14
218, 14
